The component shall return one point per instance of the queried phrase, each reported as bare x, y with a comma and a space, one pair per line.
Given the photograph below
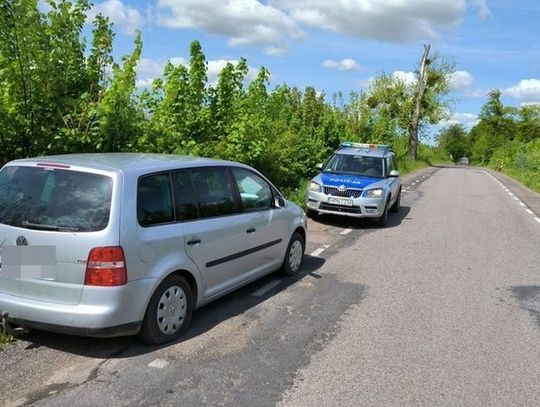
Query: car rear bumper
361, 207
103, 311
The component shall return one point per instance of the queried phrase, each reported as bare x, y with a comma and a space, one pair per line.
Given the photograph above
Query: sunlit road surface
451, 312
441, 307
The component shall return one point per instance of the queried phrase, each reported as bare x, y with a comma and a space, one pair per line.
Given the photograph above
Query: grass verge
4, 338
531, 179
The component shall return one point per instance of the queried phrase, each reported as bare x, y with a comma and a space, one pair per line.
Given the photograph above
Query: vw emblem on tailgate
342, 188
21, 241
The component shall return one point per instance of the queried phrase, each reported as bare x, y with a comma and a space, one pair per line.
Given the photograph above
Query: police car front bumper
360, 207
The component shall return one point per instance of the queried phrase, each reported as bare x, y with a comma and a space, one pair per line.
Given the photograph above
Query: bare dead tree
417, 112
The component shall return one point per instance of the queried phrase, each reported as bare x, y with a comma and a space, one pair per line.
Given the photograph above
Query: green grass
4, 338
407, 166
297, 195
531, 179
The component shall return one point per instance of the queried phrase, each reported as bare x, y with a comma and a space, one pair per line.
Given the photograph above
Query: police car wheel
397, 203
383, 219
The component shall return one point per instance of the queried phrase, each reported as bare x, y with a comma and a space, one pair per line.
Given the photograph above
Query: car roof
364, 151
126, 162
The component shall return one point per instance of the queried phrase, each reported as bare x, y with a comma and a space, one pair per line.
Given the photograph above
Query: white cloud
150, 69
409, 78
481, 6
126, 18
215, 67
245, 22
460, 80
387, 20
526, 91
466, 119
346, 64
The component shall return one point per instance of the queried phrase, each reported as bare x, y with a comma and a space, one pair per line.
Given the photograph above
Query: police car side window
390, 164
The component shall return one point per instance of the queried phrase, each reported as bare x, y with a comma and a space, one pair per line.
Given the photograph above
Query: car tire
294, 255
168, 314
383, 219
395, 207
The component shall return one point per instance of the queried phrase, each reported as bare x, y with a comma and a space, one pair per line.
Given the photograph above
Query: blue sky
339, 45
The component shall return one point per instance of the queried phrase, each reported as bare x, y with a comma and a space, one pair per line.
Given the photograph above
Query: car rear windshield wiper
42, 226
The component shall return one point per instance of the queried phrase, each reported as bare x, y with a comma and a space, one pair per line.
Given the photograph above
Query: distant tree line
62, 94
505, 138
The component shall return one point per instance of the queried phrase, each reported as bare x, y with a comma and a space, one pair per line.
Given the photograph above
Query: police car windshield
355, 164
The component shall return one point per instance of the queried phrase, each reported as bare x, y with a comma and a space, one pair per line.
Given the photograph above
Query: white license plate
340, 201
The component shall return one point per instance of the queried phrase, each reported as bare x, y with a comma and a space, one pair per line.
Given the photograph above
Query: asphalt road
441, 307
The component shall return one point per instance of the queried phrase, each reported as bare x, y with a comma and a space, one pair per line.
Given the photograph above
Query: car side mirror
394, 173
319, 166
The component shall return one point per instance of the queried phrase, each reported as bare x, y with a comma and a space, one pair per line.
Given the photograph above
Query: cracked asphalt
441, 307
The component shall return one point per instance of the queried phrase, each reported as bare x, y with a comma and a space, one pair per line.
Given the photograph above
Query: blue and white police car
359, 180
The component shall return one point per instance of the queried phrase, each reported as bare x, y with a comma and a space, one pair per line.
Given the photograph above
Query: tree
418, 102
453, 140
497, 125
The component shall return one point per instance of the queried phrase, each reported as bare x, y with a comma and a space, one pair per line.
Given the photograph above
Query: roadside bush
519, 160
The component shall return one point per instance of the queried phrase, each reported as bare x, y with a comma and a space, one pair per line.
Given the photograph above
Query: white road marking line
517, 199
346, 232
158, 363
317, 252
265, 288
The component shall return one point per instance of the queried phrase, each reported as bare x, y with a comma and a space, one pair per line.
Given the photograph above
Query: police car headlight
374, 193
313, 186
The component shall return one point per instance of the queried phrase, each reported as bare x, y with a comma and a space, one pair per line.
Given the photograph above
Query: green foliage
496, 126
453, 140
505, 138
519, 160
59, 94
4, 338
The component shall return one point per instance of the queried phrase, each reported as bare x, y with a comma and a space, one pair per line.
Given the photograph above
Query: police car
359, 180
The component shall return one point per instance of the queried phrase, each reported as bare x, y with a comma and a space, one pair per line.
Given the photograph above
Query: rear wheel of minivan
169, 311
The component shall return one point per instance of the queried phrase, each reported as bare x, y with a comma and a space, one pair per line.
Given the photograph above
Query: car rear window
54, 199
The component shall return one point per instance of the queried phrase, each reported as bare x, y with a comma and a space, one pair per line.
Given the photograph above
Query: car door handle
251, 230
193, 241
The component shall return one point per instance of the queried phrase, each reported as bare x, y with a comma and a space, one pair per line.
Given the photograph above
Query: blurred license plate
340, 201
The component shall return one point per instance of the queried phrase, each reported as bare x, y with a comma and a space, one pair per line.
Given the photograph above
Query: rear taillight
106, 266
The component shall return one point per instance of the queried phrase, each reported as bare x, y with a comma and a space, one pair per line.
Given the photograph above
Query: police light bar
350, 144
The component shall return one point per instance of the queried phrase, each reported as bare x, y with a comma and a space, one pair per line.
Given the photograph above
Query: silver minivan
119, 244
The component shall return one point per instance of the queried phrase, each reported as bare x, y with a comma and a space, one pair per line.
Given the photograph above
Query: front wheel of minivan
294, 255
169, 311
